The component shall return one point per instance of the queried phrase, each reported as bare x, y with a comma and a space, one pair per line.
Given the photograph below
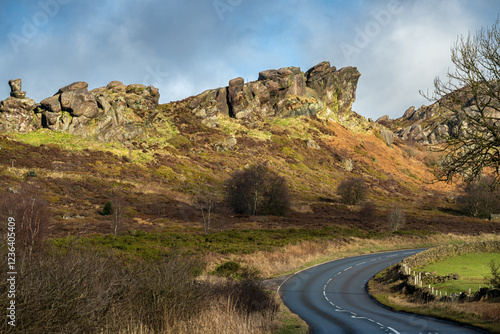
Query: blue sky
186, 47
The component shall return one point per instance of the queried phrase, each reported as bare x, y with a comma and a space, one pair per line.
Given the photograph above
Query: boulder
135, 89
15, 85
79, 86
383, 119
79, 103
15, 89
52, 104
17, 111
117, 87
387, 135
311, 144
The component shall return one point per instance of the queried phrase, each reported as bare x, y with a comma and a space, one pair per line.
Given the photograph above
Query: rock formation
118, 112
280, 93
107, 113
16, 112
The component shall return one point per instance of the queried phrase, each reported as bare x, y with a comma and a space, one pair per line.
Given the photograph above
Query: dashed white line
392, 329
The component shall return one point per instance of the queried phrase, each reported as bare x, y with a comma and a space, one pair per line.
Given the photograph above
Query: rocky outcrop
118, 112
16, 112
280, 93
114, 112
107, 113
425, 125
433, 124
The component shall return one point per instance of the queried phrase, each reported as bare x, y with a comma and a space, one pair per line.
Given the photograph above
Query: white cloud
185, 49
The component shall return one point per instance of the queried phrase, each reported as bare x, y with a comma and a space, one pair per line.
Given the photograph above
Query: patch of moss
180, 142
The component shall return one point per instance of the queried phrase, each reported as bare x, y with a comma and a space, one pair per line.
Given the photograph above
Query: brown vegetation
75, 291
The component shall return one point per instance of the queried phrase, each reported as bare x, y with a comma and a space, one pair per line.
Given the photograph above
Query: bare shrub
368, 212
206, 202
66, 292
257, 190
480, 199
166, 292
396, 219
73, 290
31, 214
352, 191
118, 208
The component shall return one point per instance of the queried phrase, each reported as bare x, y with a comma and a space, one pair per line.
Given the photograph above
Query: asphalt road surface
332, 298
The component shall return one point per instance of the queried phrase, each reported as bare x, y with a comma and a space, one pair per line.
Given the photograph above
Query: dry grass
221, 317
293, 257
486, 311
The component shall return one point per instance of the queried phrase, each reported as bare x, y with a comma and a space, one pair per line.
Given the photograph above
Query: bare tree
30, 211
257, 190
480, 198
206, 201
470, 99
118, 205
352, 190
396, 219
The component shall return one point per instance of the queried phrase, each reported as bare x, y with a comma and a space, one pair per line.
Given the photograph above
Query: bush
108, 209
368, 212
494, 280
227, 269
31, 214
396, 219
257, 190
88, 292
352, 191
480, 199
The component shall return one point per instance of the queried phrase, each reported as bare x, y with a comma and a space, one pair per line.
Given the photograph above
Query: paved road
332, 298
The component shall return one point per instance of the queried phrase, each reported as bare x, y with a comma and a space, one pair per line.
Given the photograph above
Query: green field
473, 269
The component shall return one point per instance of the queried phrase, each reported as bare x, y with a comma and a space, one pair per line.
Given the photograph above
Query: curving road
332, 298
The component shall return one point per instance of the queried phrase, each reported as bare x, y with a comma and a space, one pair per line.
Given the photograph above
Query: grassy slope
473, 269
161, 172
159, 175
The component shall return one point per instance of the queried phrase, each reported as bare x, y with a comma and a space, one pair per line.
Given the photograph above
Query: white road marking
355, 315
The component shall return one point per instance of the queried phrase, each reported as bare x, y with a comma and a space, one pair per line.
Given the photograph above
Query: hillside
82, 149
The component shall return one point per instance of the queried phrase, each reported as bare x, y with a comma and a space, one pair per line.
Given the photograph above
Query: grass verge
485, 315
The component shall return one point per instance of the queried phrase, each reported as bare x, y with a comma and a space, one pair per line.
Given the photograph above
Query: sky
186, 47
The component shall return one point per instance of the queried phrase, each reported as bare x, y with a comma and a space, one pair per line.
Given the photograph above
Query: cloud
184, 48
